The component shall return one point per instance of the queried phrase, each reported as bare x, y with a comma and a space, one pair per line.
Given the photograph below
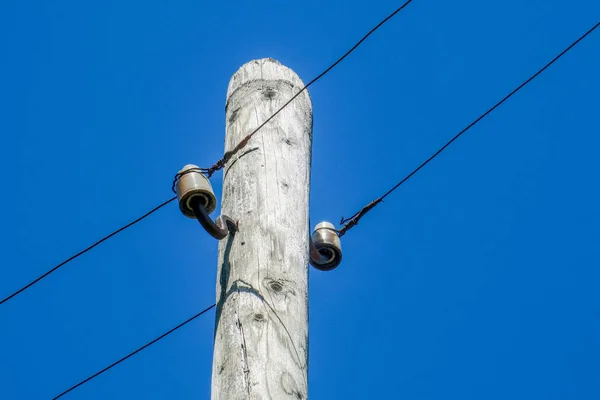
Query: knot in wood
269, 93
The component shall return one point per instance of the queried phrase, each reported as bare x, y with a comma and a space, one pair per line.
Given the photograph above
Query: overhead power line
103, 370
349, 223
45, 274
221, 163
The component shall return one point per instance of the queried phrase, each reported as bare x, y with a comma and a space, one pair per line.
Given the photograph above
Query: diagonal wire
134, 352
349, 223
221, 163
45, 274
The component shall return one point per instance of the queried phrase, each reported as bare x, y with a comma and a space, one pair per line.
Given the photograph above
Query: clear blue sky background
478, 279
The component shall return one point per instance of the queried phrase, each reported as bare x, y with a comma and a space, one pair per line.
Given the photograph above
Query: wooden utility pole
261, 330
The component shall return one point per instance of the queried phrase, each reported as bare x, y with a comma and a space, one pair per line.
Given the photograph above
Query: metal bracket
219, 230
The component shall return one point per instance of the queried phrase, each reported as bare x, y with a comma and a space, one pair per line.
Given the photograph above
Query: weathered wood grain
261, 331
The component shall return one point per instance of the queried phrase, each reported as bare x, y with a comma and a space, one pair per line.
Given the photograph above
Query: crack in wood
245, 368
247, 288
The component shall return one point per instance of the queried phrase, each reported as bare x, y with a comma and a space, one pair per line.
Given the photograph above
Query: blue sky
475, 280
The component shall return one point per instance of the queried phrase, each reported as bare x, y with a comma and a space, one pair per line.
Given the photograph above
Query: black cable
133, 352
352, 221
221, 163
45, 274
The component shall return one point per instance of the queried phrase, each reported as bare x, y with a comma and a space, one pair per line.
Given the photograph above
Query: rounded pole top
265, 69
